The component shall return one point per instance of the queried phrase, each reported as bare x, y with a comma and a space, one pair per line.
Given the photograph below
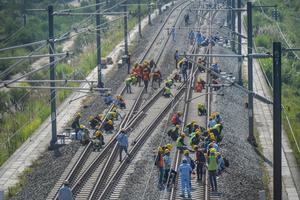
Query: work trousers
185, 185
213, 180
121, 149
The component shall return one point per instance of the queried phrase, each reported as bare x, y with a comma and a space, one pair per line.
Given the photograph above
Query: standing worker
146, 78
123, 143
159, 162
128, 82
176, 58
212, 169
76, 125
65, 193
185, 171
173, 33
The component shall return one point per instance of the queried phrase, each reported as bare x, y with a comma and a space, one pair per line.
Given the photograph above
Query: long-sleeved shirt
211, 123
122, 140
167, 162
185, 170
65, 193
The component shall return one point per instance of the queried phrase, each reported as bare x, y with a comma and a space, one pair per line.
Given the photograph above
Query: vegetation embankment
267, 30
23, 111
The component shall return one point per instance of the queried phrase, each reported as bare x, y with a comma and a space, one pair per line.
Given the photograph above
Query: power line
23, 45
29, 73
32, 56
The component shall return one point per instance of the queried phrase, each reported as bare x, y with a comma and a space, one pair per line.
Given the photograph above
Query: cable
29, 73
88, 6
23, 45
6, 41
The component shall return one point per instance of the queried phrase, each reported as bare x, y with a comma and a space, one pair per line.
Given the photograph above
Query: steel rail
104, 174
83, 157
142, 139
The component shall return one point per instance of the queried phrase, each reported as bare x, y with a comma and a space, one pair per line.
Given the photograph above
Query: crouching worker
201, 109
120, 102
108, 126
167, 92
98, 141
174, 132
85, 135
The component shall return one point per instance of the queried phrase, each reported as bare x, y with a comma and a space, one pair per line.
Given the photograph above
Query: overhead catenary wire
32, 72
78, 8
32, 56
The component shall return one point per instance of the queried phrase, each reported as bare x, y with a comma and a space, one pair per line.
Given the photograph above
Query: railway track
83, 175
199, 190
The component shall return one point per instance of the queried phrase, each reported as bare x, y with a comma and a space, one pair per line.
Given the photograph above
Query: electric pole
233, 25
126, 35
251, 137
277, 137
239, 5
149, 12
98, 41
52, 77
139, 18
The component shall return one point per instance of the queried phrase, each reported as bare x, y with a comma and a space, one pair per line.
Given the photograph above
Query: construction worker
201, 109
122, 140
108, 126
169, 173
169, 83
191, 37
195, 139
85, 135
201, 63
152, 64
176, 118
128, 82
98, 140
169, 147
212, 169
183, 64
200, 162
174, 132
65, 192
176, 58
180, 142
211, 122
199, 38
221, 163
218, 118
189, 128
76, 125
215, 67
99, 118
146, 78
93, 122
120, 102
185, 170
167, 92
173, 33
156, 77
108, 99
159, 162
198, 87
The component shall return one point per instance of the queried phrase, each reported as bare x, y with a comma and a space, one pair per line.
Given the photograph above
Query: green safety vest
128, 81
212, 163
167, 90
179, 142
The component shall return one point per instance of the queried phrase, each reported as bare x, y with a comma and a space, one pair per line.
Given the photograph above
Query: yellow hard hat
78, 114
197, 133
169, 146
186, 152
177, 126
193, 122
82, 126
167, 151
160, 150
110, 122
179, 113
98, 133
182, 135
91, 117
212, 150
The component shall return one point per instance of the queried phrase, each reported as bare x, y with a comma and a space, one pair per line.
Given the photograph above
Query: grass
266, 33
23, 178
265, 174
36, 109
